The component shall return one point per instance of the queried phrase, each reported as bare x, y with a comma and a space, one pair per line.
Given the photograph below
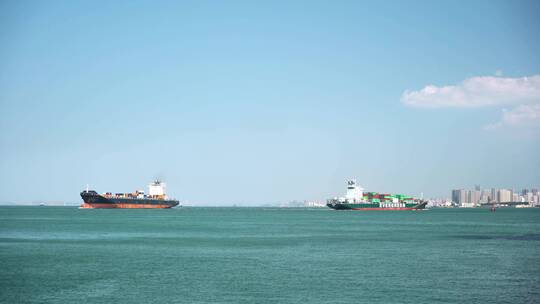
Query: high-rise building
473, 197
504, 196
455, 196
460, 196
485, 196
494, 197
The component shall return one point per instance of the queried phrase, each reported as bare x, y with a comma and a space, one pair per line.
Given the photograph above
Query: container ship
357, 199
156, 198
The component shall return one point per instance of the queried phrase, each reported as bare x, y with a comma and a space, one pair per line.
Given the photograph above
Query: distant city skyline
478, 196
247, 103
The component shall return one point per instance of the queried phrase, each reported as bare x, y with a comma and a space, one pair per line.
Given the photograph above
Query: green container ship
357, 199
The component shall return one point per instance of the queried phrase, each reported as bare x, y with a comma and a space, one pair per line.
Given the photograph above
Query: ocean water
268, 255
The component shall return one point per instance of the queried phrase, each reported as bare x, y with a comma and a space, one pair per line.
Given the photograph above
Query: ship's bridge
354, 192
157, 188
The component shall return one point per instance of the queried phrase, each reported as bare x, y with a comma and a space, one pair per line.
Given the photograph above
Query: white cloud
521, 116
477, 92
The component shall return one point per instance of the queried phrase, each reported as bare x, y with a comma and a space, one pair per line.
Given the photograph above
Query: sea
268, 255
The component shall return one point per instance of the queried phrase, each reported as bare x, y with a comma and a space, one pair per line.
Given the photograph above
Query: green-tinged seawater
268, 255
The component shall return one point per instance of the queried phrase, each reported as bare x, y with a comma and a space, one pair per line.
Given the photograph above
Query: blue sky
261, 102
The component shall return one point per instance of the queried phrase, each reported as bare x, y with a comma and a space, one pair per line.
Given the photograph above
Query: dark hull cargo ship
356, 199
156, 198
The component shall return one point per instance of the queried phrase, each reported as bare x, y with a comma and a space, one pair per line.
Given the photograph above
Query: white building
504, 196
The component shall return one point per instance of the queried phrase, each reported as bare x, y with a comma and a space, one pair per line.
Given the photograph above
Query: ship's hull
97, 201
124, 206
376, 206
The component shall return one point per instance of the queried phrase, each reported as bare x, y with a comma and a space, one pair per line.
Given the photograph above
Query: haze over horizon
242, 102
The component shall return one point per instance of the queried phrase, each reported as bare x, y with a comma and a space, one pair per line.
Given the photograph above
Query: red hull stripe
123, 206
396, 208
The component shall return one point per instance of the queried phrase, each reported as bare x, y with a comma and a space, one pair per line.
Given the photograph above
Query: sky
257, 102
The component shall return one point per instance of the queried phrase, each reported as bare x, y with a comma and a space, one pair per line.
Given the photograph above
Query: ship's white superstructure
354, 192
157, 188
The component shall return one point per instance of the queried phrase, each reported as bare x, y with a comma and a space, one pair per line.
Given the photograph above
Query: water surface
268, 255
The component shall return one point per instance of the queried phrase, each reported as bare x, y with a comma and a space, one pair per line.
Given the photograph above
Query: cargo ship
156, 198
357, 199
